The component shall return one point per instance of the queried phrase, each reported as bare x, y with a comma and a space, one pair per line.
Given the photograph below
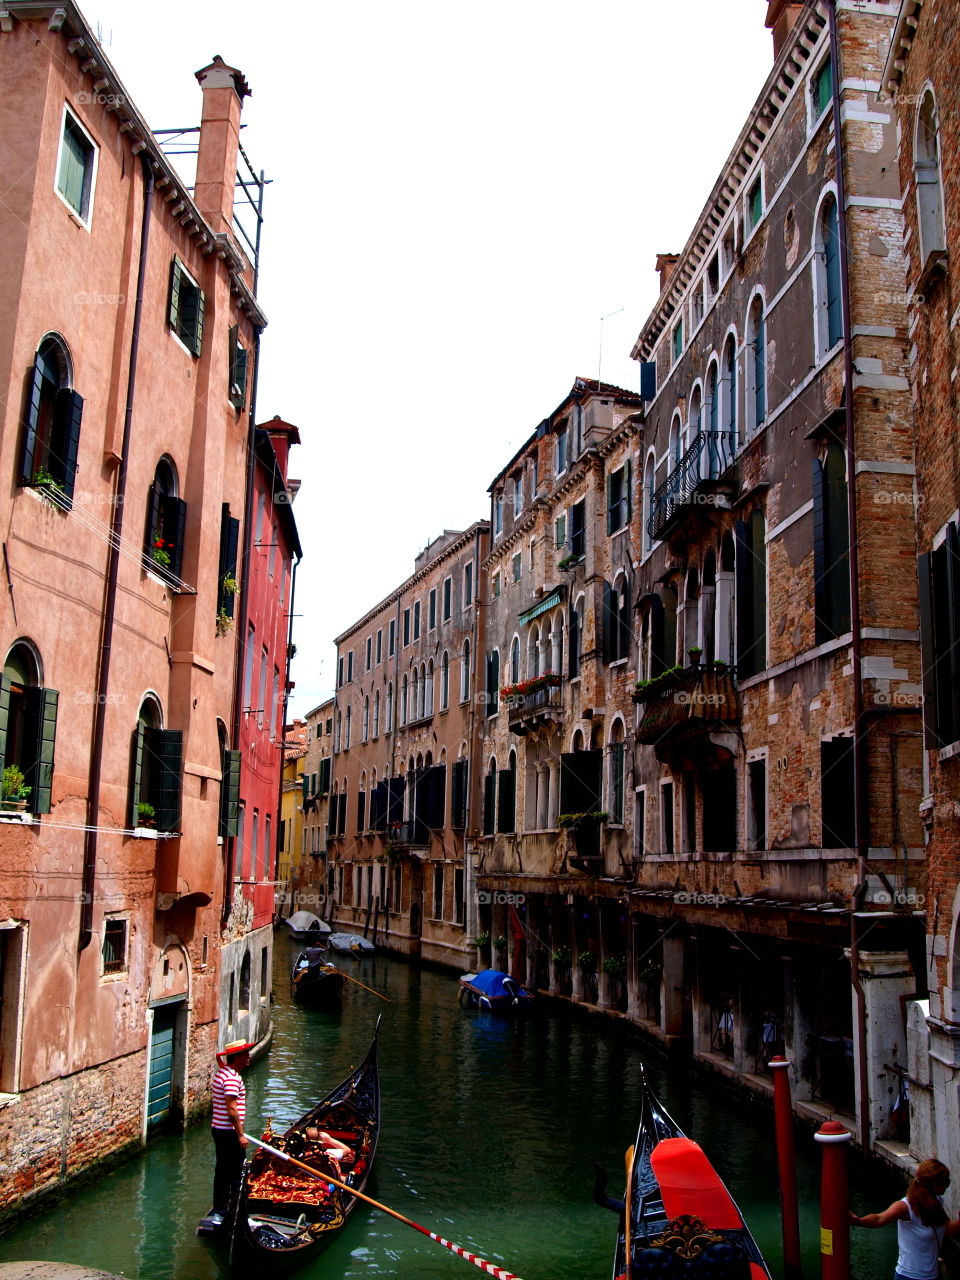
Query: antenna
600, 358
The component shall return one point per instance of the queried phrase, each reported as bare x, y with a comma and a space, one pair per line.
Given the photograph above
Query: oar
490, 1268
627, 1212
366, 988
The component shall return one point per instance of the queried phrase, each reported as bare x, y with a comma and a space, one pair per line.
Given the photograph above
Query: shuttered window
618, 498
490, 801
578, 536
751, 589
507, 799
157, 770
939, 573
186, 307
230, 794
28, 732
51, 434
77, 166
458, 794
831, 546
836, 793
238, 359
165, 527
581, 787
227, 573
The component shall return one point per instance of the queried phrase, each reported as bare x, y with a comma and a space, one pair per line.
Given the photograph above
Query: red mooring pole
787, 1166
834, 1202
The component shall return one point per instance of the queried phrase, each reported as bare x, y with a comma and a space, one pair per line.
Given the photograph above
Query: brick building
920, 85
291, 815
310, 874
778, 751
405, 730
558, 602
129, 318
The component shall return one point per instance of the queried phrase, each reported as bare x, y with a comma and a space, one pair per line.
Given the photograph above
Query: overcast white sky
460, 192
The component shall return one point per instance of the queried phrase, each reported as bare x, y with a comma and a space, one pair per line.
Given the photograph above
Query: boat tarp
494, 984
303, 921
690, 1184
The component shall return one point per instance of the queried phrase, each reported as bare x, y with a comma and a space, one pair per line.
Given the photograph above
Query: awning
542, 606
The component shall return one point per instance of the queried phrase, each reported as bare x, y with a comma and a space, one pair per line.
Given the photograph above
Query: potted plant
568, 562
587, 962
49, 486
482, 940
561, 957
224, 621
160, 551
615, 967
695, 653
13, 790
500, 944
146, 814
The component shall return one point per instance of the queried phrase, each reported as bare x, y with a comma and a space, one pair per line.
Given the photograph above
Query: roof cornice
900, 44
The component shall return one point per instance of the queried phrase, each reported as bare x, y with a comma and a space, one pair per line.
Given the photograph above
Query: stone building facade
310, 862
126, 352
920, 88
405, 729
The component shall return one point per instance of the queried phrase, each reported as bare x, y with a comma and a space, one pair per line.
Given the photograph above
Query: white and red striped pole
490, 1268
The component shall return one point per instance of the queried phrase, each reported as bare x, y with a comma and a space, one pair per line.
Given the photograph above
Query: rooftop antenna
600, 358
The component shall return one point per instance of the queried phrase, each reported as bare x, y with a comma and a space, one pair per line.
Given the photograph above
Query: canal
490, 1133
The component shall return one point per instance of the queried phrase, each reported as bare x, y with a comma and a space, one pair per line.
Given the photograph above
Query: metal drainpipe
89, 875
231, 841
856, 656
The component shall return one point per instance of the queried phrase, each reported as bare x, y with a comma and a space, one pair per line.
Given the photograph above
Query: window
369, 652
416, 620
432, 610
76, 167
389, 724
350, 667
578, 528
495, 585
507, 797
438, 891
406, 627
465, 671
379, 646
404, 700
444, 681
366, 720
575, 632
165, 526
821, 89
617, 773
829, 319
560, 531
939, 572
836, 792
227, 571
728, 249
676, 345
28, 727
497, 514
713, 276
229, 789
831, 546
515, 660
751, 595
157, 765
458, 794
348, 724
262, 691
339, 670
114, 950
755, 203
696, 307
467, 585
248, 665
517, 495
756, 367
926, 170
392, 638
237, 363
640, 822
185, 315
618, 498
275, 730
649, 486
51, 436
666, 818
757, 804
493, 682
617, 629
447, 599
561, 450
376, 714
728, 393
517, 567
490, 799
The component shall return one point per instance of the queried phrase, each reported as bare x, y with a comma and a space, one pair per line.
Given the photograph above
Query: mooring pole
834, 1202
787, 1166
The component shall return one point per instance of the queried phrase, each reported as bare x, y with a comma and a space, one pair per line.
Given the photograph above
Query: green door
161, 1064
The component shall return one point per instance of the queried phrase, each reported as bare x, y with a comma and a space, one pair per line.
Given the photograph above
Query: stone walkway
51, 1271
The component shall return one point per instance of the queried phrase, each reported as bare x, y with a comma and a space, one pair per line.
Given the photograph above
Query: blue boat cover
496, 985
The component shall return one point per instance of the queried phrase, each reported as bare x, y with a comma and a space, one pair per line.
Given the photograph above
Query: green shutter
822, 628
831, 254
40, 739
305, 786
196, 343
230, 795
628, 491
174, 512
68, 411
34, 396
489, 802
4, 717
167, 747
137, 748
176, 281
611, 513
153, 525
928, 656
229, 542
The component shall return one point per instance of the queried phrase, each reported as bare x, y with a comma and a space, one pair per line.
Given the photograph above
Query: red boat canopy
690, 1184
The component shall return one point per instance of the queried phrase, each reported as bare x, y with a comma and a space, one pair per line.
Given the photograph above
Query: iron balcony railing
542, 704
710, 454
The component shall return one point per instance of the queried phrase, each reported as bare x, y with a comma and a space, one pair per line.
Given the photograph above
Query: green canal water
491, 1128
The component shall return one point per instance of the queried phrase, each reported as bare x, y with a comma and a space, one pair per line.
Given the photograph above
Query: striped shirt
227, 1084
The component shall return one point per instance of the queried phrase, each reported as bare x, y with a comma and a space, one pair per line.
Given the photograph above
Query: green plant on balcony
224, 621
160, 551
13, 790
229, 586
500, 944
482, 940
548, 680
587, 962
615, 967
561, 957
48, 484
568, 562
146, 814
574, 820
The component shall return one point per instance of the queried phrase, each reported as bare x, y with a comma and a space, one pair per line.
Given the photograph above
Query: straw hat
232, 1049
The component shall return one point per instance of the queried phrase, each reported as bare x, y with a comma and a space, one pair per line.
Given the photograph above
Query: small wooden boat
304, 925
284, 1217
683, 1221
494, 990
315, 981
350, 944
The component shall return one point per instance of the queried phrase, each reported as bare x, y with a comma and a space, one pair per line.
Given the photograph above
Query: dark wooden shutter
627, 499
153, 524
581, 789
173, 310
40, 724
837, 793
34, 396
324, 783
137, 748
507, 800
648, 380
191, 317
65, 444
822, 629
608, 627
744, 589
573, 645
831, 253
378, 807
437, 797
458, 797
658, 658
230, 795
229, 542
395, 799
489, 802
4, 718
931, 736
167, 748
175, 523
612, 510
361, 810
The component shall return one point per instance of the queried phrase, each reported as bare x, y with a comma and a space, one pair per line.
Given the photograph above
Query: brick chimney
282, 436
781, 16
224, 89
666, 262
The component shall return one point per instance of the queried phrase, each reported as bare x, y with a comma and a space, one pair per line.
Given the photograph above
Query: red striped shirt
227, 1083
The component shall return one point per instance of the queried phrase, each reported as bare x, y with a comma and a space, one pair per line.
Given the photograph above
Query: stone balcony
695, 712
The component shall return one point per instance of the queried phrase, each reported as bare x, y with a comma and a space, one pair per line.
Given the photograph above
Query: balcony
692, 482
528, 710
412, 834
693, 712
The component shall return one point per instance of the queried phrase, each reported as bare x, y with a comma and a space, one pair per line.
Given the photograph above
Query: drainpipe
248, 508
856, 655
88, 881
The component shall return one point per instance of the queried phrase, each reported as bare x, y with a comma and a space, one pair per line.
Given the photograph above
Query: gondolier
229, 1114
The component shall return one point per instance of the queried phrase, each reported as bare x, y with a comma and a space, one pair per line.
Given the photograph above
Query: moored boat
494, 990
284, 1217
350, 944
306, 925
315, 981
682, 1220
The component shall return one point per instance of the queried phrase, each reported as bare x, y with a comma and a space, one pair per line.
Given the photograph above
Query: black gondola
315, 981
678, 1206
284, 1217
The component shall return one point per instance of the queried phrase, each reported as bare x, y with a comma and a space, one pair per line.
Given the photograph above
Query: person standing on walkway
922, 1222
229, 1114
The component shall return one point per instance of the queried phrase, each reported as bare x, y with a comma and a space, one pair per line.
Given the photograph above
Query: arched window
926, 169
347, 727
376, 714
444, 681
166, 522
366, 719
157, 765
414, 708
515, 660
465, 671
493, 682
649, 484
617, 753
575, 635
675, 442
751, 589
756, 367
694, 418
28, 728
728, 395
428, 689
533, 652
829, 317
243, 993
51, 437
403, 701
708, 593
507, 796
617, 619
691, 613
389, 726
490, 798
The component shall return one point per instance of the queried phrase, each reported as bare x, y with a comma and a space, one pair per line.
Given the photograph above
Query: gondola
316, 982
491, 989
683, 1221
350, 944
284, 1218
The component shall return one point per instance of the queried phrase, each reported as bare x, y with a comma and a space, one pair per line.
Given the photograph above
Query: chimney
666, 262
224, 89
781, 16
282, 436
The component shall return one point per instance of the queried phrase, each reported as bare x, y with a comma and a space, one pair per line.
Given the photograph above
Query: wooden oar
366, 988
490, 1268
627, 1213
